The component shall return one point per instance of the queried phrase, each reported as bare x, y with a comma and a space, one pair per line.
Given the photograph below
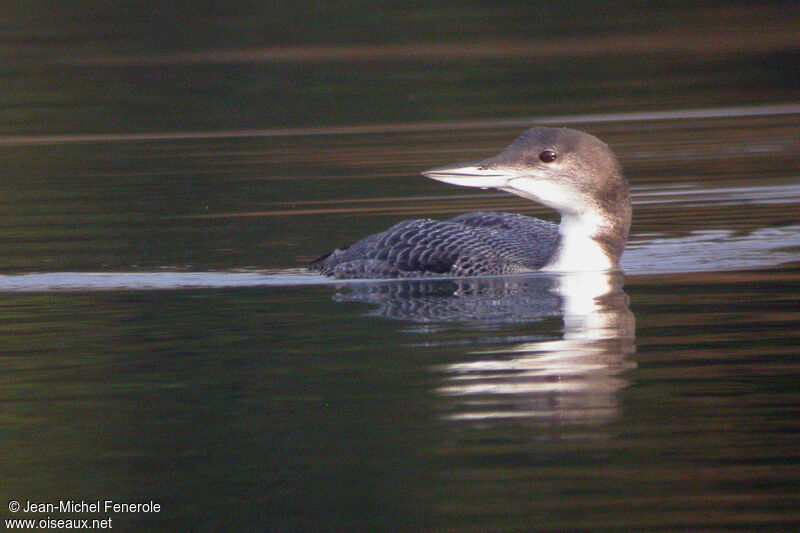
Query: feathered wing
468, 245
527, 240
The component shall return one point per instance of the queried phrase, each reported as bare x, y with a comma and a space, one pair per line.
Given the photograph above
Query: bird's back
468, 245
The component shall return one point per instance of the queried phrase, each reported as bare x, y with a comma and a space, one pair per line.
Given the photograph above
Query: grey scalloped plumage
469, 245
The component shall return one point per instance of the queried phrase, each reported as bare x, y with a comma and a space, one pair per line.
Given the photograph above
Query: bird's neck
581, 245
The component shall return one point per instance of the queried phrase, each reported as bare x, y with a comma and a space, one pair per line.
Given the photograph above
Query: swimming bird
570, 171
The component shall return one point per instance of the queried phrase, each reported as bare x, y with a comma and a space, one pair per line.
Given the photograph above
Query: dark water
166, 173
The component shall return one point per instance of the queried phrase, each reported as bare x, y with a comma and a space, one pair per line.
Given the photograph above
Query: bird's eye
548, 156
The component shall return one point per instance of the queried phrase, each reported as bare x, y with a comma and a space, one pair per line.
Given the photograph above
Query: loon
570, 171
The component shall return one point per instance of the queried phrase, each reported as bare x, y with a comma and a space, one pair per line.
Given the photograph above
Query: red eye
548, 156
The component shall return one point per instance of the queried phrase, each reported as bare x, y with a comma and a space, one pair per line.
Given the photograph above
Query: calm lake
167, 173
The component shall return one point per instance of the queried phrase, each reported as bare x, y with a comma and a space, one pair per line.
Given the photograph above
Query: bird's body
570, 171
469, 245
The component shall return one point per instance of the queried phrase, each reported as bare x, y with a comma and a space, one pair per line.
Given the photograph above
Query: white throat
577, 251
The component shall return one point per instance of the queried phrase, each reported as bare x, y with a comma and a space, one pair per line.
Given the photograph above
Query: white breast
577, 251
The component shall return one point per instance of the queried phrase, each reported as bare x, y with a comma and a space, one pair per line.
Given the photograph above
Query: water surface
166, 176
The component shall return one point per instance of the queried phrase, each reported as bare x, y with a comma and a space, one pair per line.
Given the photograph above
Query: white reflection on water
576, 377
562, 120
700, 251
717, 250
730, 196
106, 281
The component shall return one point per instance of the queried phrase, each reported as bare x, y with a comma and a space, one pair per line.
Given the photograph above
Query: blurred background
152, 66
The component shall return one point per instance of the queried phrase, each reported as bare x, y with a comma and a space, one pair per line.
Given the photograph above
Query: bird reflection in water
571, 374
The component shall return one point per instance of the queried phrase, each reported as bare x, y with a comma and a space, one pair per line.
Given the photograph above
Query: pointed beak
472, 175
